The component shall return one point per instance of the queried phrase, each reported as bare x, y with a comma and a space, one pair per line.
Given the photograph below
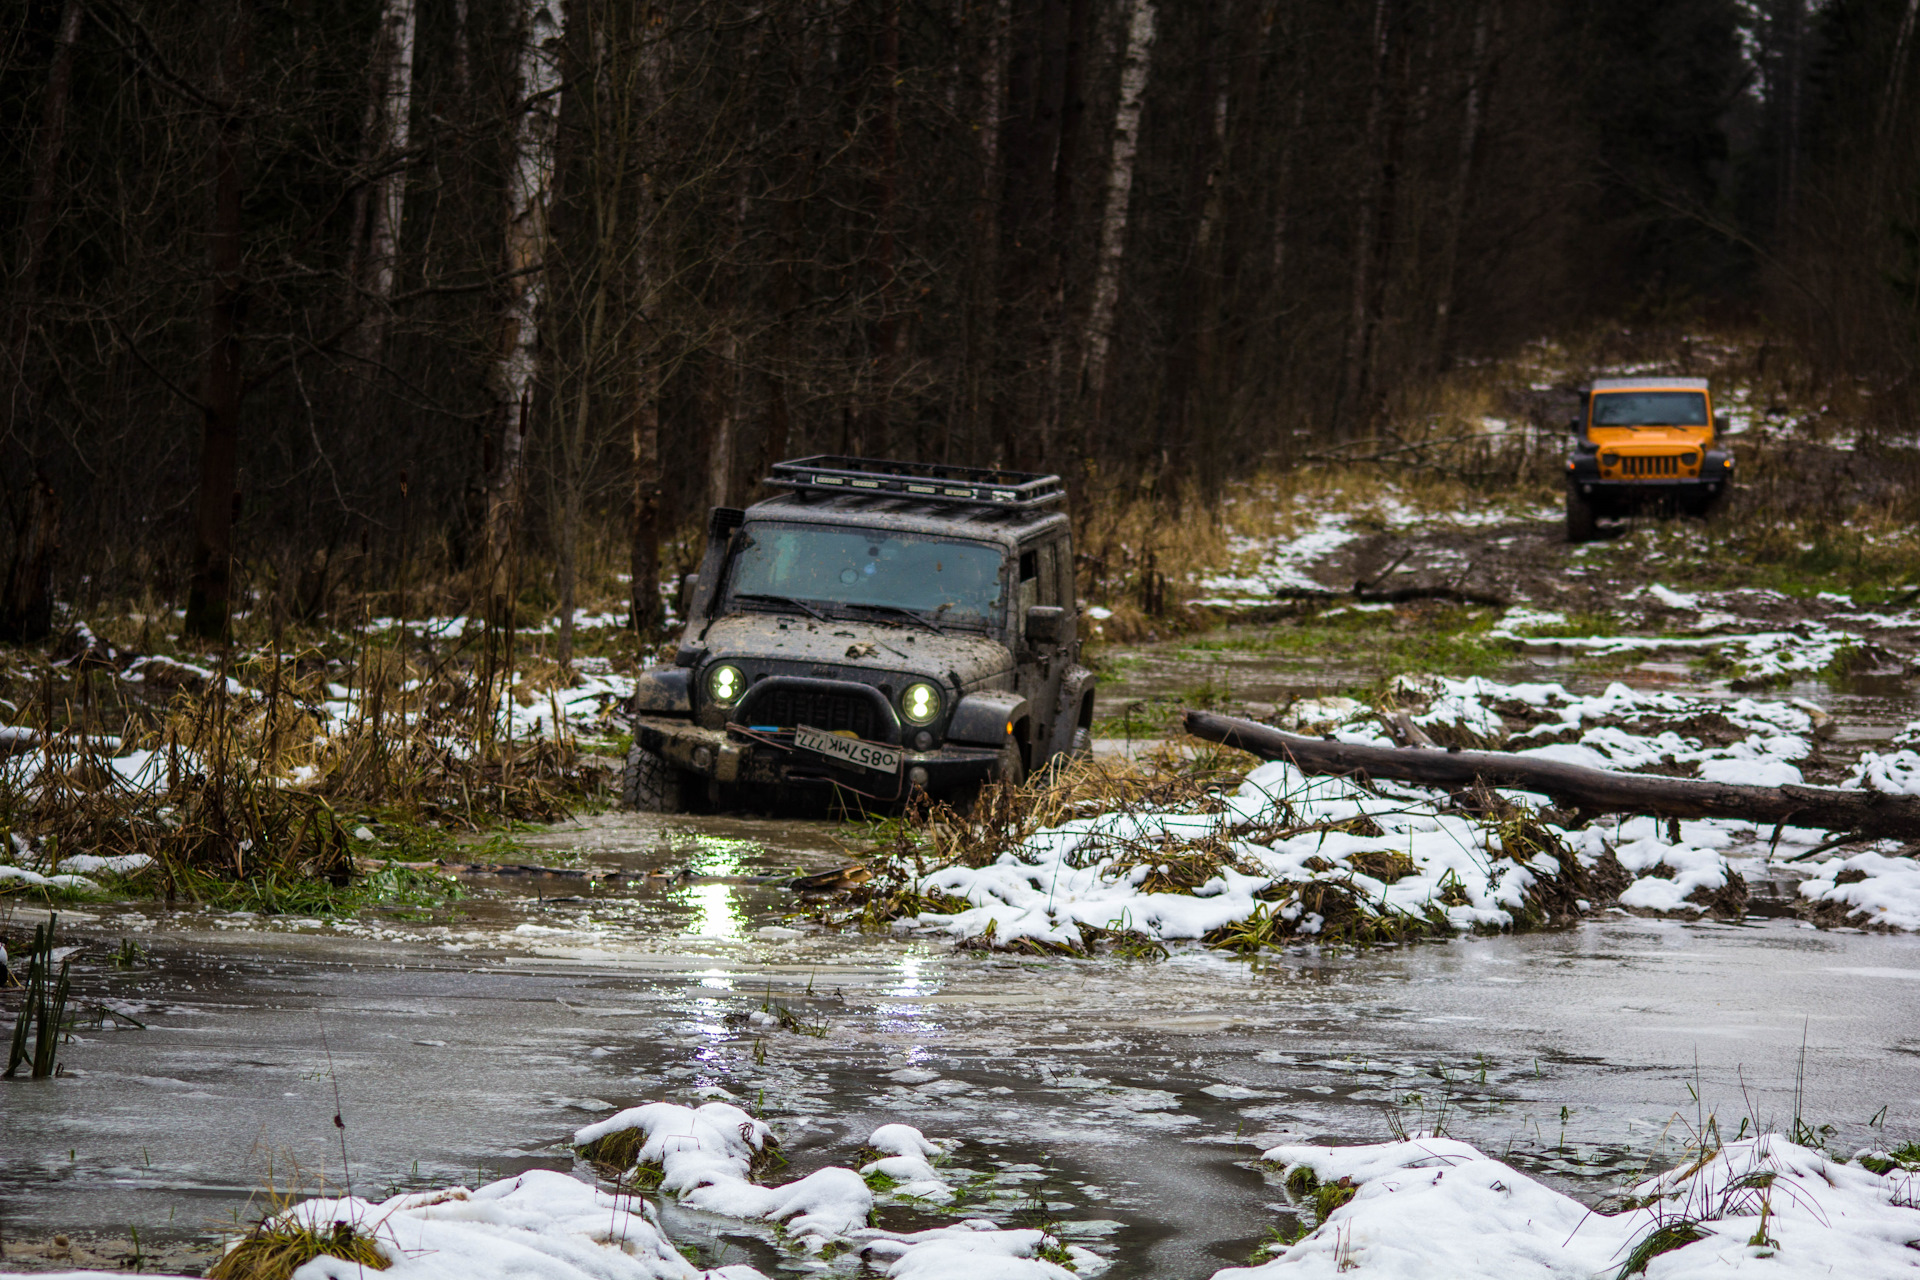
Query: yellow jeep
1643, 442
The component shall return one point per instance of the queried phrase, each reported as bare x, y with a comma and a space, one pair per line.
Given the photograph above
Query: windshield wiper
765, 597
897, 611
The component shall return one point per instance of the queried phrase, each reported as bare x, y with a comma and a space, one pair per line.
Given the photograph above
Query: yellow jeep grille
1650, 464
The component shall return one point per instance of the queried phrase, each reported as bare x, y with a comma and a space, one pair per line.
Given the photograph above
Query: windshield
1650, 409
828, 566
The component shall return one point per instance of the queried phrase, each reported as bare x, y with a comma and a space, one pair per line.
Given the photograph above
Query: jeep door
1044, 577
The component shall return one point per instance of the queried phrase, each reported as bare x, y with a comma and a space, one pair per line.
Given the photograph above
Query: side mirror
1046, 624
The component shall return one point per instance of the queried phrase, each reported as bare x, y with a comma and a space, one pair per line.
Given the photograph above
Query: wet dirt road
1124, 1101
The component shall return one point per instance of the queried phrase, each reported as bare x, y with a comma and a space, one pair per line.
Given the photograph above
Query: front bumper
1587, 478
737, 756
1685, 486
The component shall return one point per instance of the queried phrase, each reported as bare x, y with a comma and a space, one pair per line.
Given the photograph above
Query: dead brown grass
278, 1247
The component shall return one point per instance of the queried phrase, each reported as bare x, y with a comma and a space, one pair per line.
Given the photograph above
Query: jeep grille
785, 702
1650, 464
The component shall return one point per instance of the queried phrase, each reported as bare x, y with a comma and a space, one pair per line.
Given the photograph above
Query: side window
1028, 593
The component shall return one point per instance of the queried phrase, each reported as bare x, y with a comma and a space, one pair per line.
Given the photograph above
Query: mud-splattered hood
871, 653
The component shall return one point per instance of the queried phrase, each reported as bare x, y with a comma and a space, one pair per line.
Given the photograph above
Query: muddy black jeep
882, 629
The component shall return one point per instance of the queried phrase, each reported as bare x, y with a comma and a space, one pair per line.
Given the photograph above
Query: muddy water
1123, 1101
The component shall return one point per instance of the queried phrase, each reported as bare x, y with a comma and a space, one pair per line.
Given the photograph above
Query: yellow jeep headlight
725, 684
920, 703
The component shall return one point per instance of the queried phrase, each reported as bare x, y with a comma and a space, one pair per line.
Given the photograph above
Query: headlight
725, 683
920, 703
1607, 459
1688, 459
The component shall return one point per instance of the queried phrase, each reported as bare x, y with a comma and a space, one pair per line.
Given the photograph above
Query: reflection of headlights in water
910, 983
907, 1019
708, 1015
719, 856
715, 913
909, 986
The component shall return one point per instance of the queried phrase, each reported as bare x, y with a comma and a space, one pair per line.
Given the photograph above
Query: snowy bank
707, 1157
543, 1225
1285, 856
1433, 1206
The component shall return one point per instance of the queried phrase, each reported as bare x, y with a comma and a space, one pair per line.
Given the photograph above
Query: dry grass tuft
279, 1246
249, 781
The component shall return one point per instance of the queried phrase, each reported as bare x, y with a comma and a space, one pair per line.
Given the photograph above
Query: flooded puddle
1122, 1102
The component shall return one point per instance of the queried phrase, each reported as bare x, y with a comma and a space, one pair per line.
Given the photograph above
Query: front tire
1012, 769
651, 784
1702, 507
1582, 521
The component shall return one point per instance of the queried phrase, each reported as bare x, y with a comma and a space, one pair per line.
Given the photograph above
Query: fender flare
662, 691
981, 719
1076, 689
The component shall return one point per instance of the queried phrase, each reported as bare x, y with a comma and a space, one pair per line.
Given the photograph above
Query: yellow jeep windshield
1650, 409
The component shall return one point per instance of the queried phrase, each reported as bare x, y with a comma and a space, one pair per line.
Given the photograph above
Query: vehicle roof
1649, 384
985, 523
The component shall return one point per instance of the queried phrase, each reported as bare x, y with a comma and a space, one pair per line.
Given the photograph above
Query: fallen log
1870, 814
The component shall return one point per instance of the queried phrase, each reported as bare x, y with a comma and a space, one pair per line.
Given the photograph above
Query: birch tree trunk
1486, 18
1065, 162
389, 112
1890, 99
209, 587
529, 193
1203, 428
724, 394
1104, 294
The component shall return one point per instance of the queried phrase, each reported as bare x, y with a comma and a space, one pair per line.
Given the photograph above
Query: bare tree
221, 386
26, 609
1486, 20
640, 370
1368, 206
37, 226
382, 201
981, 332
529, 195
1104, 296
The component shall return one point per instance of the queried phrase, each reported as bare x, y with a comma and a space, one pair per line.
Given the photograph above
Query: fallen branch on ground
1870, 814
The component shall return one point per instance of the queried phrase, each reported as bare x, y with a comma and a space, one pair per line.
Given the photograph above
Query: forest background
446, 303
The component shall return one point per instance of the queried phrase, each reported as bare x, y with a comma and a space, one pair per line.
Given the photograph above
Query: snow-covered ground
1431, 1206
1277, 847
543, 1225
1421, 1207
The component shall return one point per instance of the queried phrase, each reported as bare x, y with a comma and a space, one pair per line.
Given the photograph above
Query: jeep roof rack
1649, 384
927, 482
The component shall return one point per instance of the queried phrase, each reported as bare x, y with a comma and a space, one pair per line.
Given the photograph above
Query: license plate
852, 751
